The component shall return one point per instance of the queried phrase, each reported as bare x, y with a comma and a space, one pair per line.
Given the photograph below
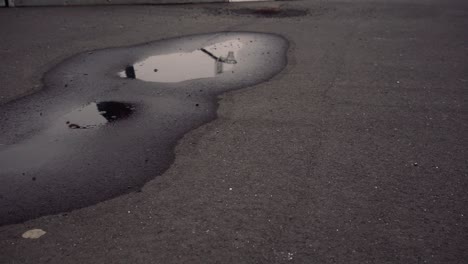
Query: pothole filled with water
92, 135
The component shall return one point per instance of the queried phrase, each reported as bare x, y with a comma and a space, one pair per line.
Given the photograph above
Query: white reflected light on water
206, 62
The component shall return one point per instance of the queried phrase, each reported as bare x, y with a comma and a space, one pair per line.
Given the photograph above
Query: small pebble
33, 233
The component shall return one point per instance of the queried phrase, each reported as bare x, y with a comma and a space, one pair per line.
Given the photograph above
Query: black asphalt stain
132, 125
267, 12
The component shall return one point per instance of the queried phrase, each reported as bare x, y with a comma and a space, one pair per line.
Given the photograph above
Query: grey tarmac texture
355, 153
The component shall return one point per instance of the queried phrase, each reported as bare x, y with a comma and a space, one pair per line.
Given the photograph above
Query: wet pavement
143, 117
352, 152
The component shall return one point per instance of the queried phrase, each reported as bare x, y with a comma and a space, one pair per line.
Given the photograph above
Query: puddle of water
206, 62
64, 148
97, 114
38, 151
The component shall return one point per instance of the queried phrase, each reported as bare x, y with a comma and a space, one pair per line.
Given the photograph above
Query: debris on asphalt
33, 234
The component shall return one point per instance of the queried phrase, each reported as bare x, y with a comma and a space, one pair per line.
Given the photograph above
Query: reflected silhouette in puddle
98, 114
206, 62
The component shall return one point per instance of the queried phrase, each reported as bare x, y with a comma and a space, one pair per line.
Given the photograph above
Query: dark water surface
107, 121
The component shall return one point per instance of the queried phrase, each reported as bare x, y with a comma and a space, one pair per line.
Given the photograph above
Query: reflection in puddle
206, 62
97, 114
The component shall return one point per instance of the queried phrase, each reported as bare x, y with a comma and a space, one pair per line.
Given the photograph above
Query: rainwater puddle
206, 62
91, 136
97, 114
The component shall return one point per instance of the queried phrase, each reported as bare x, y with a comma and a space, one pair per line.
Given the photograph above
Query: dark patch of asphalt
268, 12
355, 153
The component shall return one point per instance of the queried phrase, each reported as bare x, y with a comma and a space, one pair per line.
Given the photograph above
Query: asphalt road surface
356, 152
